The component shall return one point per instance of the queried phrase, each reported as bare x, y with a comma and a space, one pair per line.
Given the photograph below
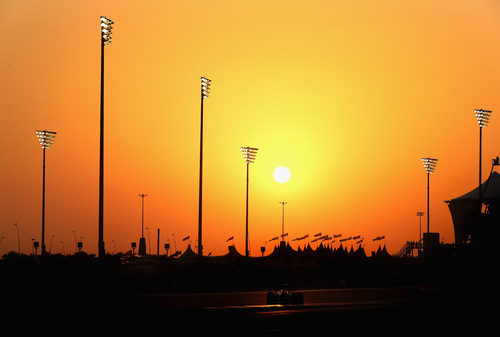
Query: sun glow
281, 174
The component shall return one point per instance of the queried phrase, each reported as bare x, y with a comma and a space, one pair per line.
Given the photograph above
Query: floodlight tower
205, 90
106, 31
283, 203
430, 166
45, 138
249, 154
483, 117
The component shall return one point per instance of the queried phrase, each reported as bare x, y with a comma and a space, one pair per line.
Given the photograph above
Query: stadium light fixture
106, 31
483, 117
205, 90
430, 166
249, 154
46, 139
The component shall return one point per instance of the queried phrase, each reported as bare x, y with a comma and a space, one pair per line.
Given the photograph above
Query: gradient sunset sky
348, 94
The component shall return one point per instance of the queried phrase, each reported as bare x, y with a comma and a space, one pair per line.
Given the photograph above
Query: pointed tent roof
360, 252
188, 254
233, 252
283, 250
382, 252
490, 189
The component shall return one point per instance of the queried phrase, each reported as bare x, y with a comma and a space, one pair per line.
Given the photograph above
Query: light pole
283, 203
18, 239
249, 154
205, 90
430, 166
76, 241
149, 241
483, 117
142, 240
51, 239
106, 27
420, 215
45, 138
80, 244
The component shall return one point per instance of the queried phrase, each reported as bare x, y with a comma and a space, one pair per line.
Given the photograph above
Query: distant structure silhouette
466, 213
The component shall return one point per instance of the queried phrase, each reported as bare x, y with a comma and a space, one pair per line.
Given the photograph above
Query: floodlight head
205, 87
249, 153
429, 164
482, 116
45, 138
106, 27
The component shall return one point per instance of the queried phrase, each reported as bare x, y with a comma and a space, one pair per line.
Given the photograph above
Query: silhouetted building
467, 223
431, 245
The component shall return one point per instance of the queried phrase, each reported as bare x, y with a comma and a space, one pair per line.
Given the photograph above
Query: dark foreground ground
82, 296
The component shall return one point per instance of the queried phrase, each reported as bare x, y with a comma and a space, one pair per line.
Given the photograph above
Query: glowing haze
349, 95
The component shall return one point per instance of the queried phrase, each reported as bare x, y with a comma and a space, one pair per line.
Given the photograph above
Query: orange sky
348, 94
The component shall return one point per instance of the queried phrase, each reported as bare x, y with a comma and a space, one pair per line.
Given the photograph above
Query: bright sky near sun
347, 94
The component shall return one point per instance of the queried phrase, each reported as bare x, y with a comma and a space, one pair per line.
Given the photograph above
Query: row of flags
317, 237
326, 237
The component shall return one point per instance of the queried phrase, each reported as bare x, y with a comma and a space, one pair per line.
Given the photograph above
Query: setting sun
281, 174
